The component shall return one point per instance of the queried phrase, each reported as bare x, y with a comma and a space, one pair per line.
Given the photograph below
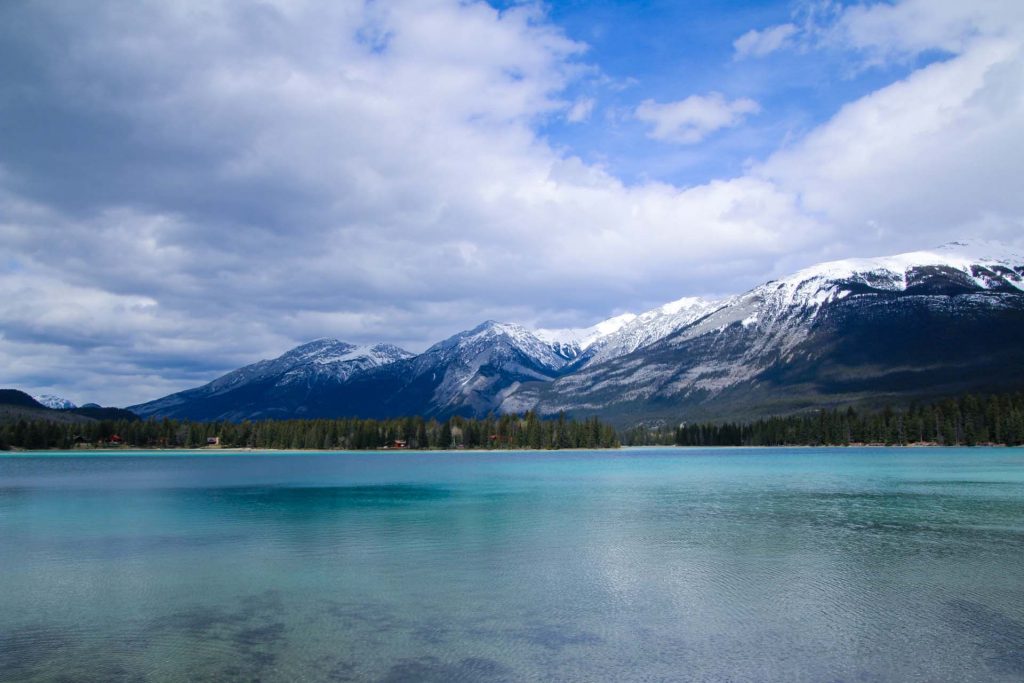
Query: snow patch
55, 402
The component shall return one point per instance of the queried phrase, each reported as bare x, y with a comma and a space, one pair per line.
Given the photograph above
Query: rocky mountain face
892, 329
55, 402
469, 373
923, 324
280, 388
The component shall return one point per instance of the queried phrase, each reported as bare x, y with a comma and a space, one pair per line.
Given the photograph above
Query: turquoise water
674, 564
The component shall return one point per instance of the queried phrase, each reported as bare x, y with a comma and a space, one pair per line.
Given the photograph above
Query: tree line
507, 431
965, 421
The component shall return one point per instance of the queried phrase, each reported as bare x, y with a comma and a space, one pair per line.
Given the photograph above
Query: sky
188, 187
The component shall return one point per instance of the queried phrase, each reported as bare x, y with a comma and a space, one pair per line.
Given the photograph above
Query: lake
646, 564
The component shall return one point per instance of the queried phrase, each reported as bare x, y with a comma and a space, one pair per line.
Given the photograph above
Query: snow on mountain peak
627, 332
325, 357
583, 337
779, 314
894, 269
652, 325
687, 303
55, 402
339, 359
376, 354
490, 333
987, 264
613, 325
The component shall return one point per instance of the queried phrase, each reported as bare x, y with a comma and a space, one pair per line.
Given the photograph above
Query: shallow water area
646, 564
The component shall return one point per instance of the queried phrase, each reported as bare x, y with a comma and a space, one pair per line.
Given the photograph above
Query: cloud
691, 120
885, 32
880, 33
934, 154
756, 43
581, 110
186, 188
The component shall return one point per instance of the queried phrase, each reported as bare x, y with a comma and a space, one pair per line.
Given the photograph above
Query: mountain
891, 329
55, 402
572, 343
858, 331
648, 327
16, 405
469, 373
15, 397
287, 386
625, 333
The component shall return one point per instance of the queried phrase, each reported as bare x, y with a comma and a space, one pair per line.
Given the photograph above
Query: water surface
673, 564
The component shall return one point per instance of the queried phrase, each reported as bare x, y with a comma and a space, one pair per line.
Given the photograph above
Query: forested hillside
966, 421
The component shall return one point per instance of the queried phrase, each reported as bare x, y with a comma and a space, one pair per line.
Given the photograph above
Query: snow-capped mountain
922, 323
469, 373
483, 365
319, 359
55, 402
572, 342
625, 333
916, 325
650, 326
480, 343
275, 387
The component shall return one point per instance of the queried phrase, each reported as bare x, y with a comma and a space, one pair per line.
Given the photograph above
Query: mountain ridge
758, 338
682, 356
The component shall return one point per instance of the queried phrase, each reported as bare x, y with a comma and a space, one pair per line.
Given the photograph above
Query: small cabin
213, 441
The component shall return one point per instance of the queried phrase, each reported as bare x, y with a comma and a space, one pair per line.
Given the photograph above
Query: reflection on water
739, 565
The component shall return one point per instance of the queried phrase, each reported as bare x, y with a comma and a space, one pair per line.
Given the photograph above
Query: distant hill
14, 397
17, 405
13, 413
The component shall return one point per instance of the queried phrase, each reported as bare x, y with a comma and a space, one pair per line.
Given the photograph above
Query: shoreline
235, 450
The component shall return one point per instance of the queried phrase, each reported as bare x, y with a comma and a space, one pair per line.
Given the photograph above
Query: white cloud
691, 120
934, 154
581, 110
756, 43
887, 31
882, 32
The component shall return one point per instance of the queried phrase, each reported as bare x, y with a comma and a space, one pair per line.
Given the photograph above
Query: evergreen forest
965, 421
508, 431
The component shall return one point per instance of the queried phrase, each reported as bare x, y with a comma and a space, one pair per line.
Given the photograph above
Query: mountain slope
917, 325
649, 327
283, 387
16, 405
625, 333
16, 397
469, 373
865, 330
